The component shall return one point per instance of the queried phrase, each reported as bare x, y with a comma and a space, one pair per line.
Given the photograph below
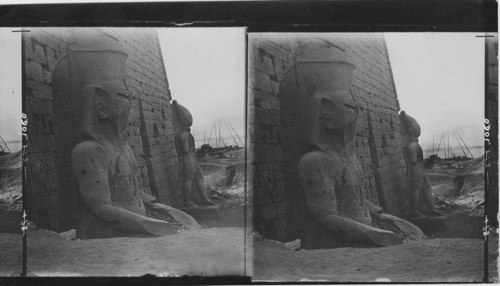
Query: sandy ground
205, 252
218, 251
460, 186
458, 256
430, 260
219, 248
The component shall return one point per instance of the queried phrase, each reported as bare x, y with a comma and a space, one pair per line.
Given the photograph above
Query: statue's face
342, 122
342, 119
116, 109
187, 123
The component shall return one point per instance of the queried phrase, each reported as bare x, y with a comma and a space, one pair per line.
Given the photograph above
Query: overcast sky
10, 88
439, 80
206, 73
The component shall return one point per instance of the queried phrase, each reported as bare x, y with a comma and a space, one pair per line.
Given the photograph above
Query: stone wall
267, 61
378, 138
150, 129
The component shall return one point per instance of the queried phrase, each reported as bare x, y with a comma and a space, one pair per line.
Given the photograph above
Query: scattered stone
230, 173
293, 245
69, 235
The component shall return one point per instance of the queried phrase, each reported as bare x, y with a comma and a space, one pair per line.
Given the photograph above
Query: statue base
430, 224
203, 213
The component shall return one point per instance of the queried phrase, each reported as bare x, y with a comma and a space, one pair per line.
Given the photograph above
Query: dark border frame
257, 16
276, 16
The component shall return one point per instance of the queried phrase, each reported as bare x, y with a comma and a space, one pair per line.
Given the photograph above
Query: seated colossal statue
104, 164
330, 174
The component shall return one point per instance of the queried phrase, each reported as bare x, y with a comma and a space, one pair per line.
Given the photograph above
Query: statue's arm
412, 152
92, 176
184, 142
319, 191
320, 198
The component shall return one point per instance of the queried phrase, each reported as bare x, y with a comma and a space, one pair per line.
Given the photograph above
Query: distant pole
448, 149
472, 156
439, 145
432, 145
242, 144
6, 146
455, 134
211, 131
220, 142
215, 134
230, 133
203, 134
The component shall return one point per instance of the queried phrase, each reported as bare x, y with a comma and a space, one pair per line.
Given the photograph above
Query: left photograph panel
136, 151
10, 154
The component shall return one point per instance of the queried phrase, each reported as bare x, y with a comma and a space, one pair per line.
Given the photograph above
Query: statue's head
185, 117
412, 126
93, 73
109, 107
331, 115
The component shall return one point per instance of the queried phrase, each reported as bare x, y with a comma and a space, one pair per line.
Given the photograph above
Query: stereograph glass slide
222, 152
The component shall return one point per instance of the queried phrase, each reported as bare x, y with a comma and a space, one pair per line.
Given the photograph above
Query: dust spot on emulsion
83, 172
309, 182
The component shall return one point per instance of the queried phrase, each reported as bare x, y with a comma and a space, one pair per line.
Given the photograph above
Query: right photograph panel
366, 156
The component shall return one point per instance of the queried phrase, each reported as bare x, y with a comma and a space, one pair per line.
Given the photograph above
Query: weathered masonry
274, 142
52, 202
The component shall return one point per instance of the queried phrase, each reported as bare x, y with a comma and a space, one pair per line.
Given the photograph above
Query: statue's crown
93, 59
185, 117
96, 56
411, 124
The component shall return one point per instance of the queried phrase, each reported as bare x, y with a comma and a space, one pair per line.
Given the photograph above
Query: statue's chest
122, 172
191, 142
349, 190
420, 154
344, 173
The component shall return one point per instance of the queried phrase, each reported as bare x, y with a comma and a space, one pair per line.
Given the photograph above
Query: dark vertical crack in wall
147, 151
375, 162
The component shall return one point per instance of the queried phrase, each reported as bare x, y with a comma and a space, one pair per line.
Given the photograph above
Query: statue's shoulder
313, 159
184, 135
87, 146
412, 146
90, 149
